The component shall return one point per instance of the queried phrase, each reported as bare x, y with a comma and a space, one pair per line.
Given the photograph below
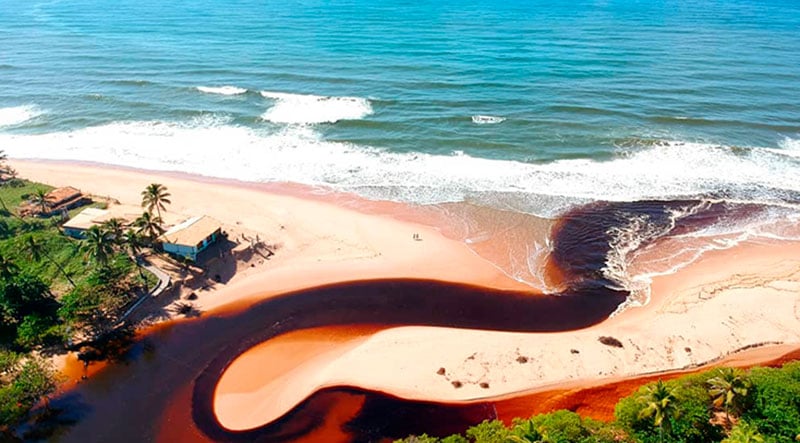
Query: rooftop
86, 218
96, 216
192, 231
60, 195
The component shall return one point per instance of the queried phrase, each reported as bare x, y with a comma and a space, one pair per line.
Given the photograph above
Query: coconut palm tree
155, 196
659, 405
134, 243
98, 245
8, 268
36, 250
149, 226
41, 199
727, 388
114, 228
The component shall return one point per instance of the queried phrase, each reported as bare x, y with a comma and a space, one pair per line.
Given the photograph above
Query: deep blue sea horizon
532, 104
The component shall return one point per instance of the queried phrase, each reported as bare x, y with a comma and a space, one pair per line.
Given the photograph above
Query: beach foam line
17, 115
297, 153
313, 109
788, 146
222, 90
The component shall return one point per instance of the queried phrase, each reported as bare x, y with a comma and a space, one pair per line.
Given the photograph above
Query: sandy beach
730, 300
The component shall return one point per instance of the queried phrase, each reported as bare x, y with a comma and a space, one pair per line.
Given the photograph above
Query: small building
189, 238
65, 198
59, 200
77, 226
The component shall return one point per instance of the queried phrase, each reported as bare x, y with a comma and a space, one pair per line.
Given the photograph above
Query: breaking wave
222, 90
212, 146
17, 115
646, 247
313, 109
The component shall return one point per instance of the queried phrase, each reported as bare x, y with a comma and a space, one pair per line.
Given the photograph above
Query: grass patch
16, 191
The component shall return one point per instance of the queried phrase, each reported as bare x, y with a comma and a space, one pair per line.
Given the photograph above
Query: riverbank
748, 295
730, 301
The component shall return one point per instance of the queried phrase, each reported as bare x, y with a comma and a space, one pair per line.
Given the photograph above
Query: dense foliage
722, 405
55, 289
25, 382
51, 284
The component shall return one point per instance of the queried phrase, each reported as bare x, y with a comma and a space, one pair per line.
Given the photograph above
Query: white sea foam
311, 109
775, 223
788, 146
18, 115
222, 90
487, 119
212, 146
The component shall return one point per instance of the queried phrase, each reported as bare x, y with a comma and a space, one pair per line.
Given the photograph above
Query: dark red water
163, 390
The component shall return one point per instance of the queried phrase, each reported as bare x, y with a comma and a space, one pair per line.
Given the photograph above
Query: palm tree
148, 225
134, 242
36, 251
8, 268
114, 228
155, 196
659, 404
98, 245
41, 199
727, 388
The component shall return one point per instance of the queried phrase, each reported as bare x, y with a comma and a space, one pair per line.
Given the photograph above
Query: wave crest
313, 109
222, 90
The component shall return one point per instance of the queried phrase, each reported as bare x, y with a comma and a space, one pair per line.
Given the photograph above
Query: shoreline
359, 244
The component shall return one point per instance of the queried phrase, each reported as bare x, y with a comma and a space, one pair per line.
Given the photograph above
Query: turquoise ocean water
528, 105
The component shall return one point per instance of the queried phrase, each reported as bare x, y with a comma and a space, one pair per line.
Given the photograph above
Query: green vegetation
25, 382
722, 405
49, 282
55, 290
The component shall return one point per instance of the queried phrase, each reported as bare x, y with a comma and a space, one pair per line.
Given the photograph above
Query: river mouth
168, 387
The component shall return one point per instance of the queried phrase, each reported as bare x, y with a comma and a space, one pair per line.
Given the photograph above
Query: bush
687, 422
774, 401
770, 413
488, 432
36, 330
29, 383
8, 361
